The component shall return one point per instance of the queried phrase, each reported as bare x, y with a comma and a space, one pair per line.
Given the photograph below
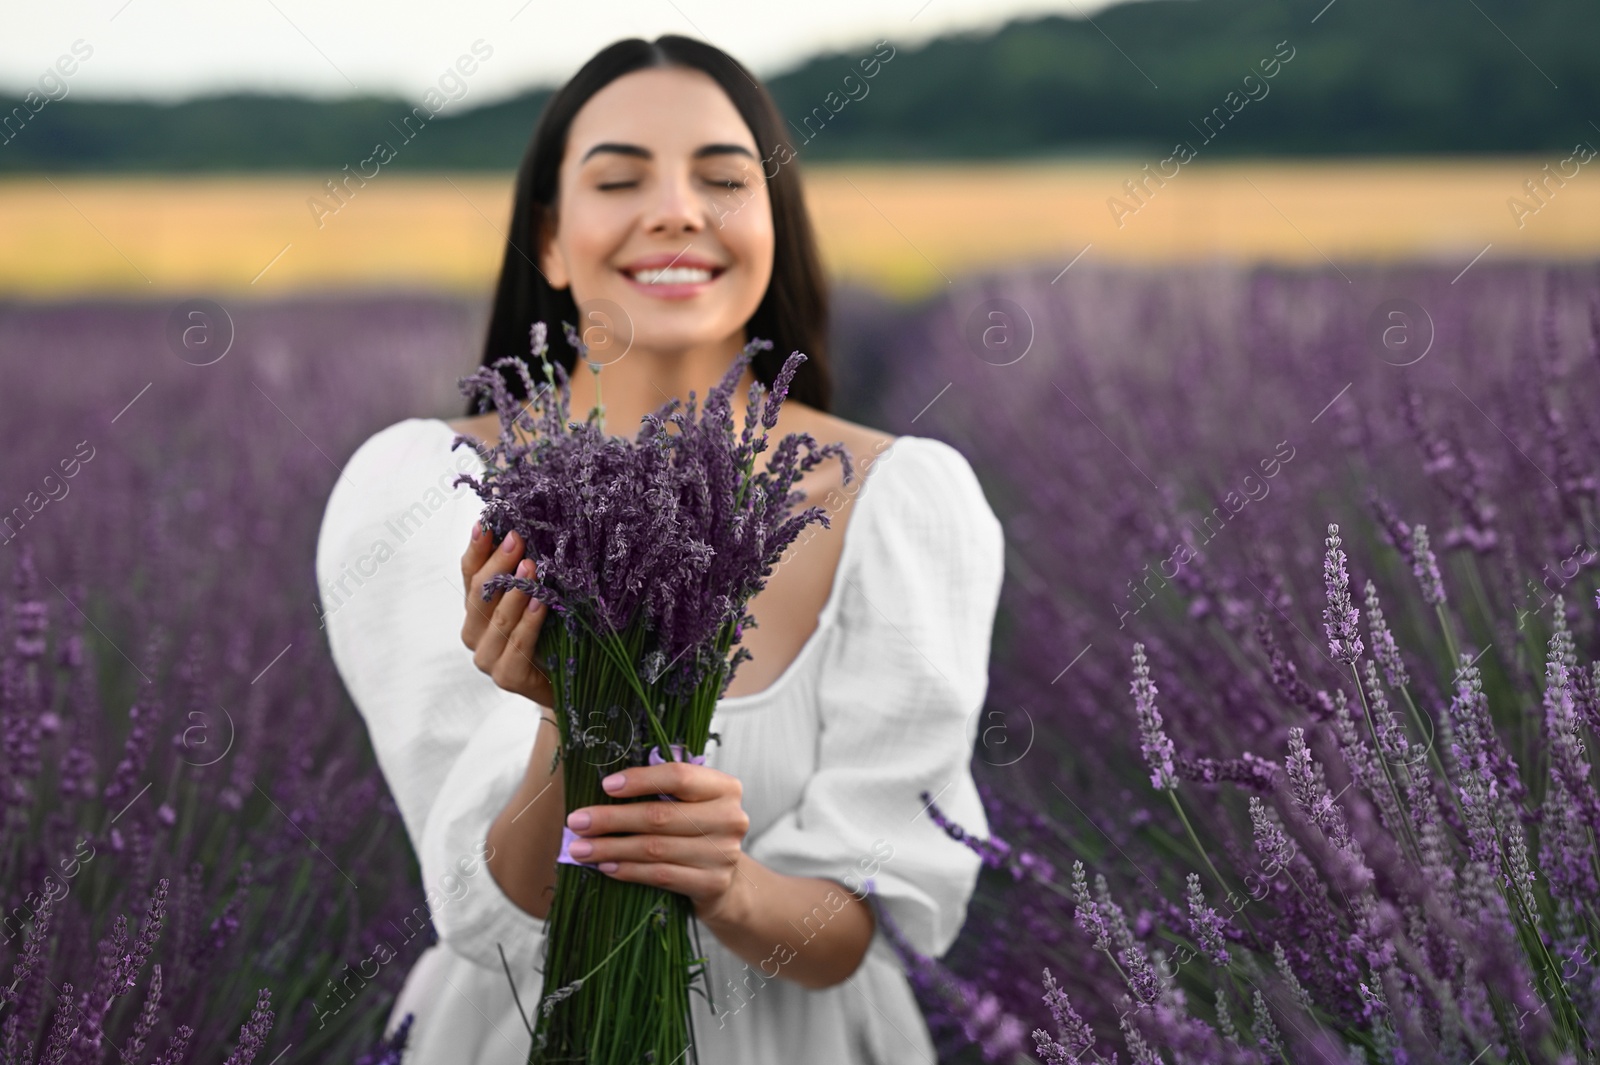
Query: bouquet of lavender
646, 552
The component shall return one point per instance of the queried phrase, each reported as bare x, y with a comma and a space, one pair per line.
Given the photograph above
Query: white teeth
673, 275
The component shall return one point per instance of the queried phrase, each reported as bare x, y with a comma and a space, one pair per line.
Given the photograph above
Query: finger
502, 560
652, 818
517, 665
479, 547
687, 781
685, 880
513, 602
718, 818
508, 606
694, 853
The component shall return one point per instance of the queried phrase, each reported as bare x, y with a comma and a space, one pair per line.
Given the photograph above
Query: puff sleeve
452, 745
900, 695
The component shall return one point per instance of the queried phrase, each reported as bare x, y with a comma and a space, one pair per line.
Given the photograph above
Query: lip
655, 262
682, 291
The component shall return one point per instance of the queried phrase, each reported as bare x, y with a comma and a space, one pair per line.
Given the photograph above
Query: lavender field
1335, 821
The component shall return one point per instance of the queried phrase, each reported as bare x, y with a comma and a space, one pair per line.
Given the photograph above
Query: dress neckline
830, 608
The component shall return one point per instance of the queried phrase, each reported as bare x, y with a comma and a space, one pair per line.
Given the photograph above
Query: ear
551, 261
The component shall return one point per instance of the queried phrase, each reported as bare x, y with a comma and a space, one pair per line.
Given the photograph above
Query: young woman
659, 208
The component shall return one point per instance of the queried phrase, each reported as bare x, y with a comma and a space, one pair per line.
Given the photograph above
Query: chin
680, 328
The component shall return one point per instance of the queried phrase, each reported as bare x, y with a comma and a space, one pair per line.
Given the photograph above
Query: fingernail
534, 605
509, 544
613, 782
581, 849
608, 867
477, 530
579, 820
523, 567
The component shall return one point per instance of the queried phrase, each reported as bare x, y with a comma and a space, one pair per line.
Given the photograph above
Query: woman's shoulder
397, 455
395, 466
914, 468
863, 443
398, 441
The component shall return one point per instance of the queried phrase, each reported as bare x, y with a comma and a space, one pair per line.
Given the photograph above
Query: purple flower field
1372, 745
1295, 652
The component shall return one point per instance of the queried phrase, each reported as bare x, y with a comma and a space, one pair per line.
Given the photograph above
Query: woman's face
662, 211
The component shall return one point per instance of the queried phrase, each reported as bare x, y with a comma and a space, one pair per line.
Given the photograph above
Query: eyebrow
641, 152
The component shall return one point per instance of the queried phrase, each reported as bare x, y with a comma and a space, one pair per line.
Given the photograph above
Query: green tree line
1364, 77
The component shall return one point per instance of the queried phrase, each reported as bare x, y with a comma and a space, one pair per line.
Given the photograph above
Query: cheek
749, 236
591, 232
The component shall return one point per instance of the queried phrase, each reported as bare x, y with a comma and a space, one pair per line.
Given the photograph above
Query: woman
659, 207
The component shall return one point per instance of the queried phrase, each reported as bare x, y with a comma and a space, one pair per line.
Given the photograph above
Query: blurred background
236, 240
180, 149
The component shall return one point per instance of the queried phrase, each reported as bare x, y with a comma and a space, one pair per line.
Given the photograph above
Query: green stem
1227, 891
1449, 640
648, 917
1383, 763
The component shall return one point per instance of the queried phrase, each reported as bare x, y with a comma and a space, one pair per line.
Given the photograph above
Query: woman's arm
802, 928
526, 836
805, 929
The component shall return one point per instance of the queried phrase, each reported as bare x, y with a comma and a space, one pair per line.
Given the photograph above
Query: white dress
881, 703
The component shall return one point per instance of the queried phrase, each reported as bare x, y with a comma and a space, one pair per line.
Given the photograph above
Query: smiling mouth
674, 275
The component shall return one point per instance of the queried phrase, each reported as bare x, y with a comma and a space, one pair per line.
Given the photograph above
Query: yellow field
903, 229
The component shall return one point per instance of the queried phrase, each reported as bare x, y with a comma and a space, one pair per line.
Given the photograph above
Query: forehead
668, 110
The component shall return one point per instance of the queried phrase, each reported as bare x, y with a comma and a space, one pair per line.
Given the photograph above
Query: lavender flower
956, 1003
1225, 1025
390, 1051
1268, 1038
1247, 771
995, 852
1473, 753
1285, 676
1311, 793
1426, 567
149, 931
253, 1033
675, 527
1140, 1052
1340, 617
1073, 1038
1087, 912
61, 1032
1157, 748
1384, 648
147, 1016
1273, 845
1297, 991
1207, 927
559, 995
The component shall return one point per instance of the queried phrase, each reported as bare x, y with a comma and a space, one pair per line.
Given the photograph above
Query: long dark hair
793, 313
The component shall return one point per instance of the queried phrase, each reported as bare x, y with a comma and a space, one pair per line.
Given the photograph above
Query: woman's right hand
503, 632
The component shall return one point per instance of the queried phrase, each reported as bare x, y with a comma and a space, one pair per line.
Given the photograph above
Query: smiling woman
866, 672
646, 158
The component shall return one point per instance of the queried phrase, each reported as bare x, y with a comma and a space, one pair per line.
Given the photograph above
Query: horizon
331, 55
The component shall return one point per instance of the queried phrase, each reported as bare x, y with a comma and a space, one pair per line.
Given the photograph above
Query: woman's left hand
694, 845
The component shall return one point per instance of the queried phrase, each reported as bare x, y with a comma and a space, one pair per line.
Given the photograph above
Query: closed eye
608, 186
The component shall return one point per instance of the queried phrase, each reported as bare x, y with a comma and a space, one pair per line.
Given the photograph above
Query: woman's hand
502, 632
694, 846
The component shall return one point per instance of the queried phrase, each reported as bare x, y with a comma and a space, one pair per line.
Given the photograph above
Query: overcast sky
171, 49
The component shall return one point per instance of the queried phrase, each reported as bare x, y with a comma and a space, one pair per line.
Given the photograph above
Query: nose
676, 210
